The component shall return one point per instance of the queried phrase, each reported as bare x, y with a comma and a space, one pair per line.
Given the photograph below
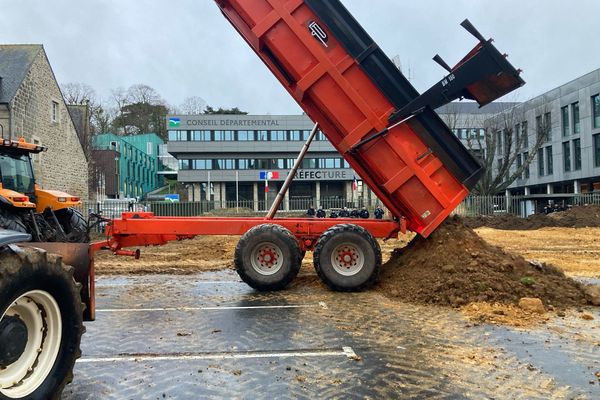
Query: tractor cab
16, 173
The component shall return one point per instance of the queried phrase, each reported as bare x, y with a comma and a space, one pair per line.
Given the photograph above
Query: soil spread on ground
576, 217
455, 267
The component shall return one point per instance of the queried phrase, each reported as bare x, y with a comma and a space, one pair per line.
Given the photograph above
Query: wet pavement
211, 336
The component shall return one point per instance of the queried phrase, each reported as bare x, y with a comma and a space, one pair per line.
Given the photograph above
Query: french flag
268, 175
354, 184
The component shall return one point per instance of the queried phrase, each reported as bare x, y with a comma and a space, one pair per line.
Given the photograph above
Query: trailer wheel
74, 225
347, 258
268, 257
40, 324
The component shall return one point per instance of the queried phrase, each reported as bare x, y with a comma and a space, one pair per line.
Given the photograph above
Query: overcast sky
186, 48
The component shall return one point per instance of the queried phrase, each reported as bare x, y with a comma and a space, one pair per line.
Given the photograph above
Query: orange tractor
48, 215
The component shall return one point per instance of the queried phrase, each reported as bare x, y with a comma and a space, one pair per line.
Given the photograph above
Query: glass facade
576, 122
241, 136
525, 157
567, 156
597, 150
565, 120
577, 154
549, 161
596, 111
253, 164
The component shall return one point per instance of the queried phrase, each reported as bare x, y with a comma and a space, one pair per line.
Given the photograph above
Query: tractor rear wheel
74, 225
268, 257
11, 221
347, 258
40, 324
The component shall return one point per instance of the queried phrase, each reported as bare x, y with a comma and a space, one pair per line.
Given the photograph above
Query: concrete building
126, 166
32, 106
467, 121
568, 161
226, 158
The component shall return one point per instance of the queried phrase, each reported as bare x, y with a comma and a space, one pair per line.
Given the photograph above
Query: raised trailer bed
367, 109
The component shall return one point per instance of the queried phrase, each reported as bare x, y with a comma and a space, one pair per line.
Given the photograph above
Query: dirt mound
576, 217
454, 267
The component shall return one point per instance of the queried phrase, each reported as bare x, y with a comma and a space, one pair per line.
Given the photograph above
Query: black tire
30, 269
74, 225
278, 243
361, 269
11, 221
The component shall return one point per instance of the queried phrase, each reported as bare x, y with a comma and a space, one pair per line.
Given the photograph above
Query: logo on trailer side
318, 33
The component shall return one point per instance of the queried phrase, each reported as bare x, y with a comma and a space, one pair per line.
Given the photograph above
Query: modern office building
467, 121
568, 161
126, 166
244, 159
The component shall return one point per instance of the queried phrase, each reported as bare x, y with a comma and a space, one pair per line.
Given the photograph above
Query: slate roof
15, 62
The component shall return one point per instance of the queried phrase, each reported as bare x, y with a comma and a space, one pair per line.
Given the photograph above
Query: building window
245, 136
200, 136
525, 159
345, 164
549, 161
576, 122
54, 111
526, 134
178, 136
567, 156
320, 137
201, 164
278, 136
541, 162
565, 120
223, 136
577, 154
547, 127
184, 164
224, 164
596, 111
310, 163
519, 165
498, 143
262, 135
298, 135
597, 150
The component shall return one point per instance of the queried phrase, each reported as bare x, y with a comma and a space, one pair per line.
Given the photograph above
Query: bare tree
144, 94
193, 105
509, 147
120, 98
78, 93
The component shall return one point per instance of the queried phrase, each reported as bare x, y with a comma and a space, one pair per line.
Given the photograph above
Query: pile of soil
576, 217
455, 267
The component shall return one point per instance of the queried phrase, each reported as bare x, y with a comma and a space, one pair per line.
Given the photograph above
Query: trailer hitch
483, 75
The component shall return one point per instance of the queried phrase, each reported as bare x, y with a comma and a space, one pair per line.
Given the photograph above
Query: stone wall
63, 166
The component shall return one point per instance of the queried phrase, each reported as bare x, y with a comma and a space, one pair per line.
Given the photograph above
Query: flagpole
237, 191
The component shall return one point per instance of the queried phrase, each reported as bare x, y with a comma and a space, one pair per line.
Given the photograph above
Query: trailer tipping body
367, 109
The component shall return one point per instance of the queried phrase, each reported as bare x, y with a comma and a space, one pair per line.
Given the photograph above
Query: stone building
32, 106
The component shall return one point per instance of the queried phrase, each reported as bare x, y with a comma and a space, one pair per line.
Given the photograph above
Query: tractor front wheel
40, 324
268, 257
73, 224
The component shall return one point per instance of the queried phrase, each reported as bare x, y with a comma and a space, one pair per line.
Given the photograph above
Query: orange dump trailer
368, 110
387, 131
